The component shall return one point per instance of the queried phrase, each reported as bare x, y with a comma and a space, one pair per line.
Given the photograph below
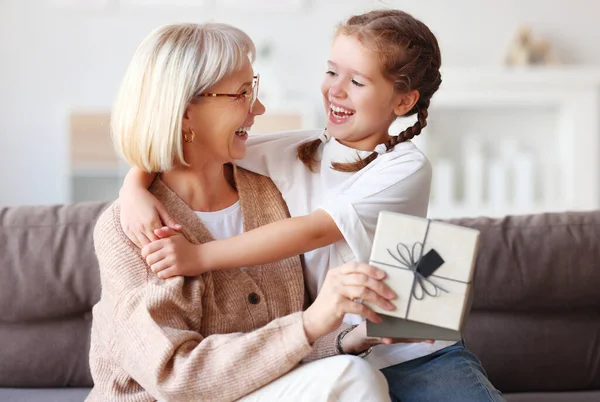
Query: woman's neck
207, 188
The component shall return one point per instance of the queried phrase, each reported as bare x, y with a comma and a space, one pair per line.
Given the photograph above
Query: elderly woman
183, 110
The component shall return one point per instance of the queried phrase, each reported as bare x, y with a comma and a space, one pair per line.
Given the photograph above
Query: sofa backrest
49, 284
535, 320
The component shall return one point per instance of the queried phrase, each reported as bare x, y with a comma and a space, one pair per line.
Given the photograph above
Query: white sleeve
274, 155
397, 184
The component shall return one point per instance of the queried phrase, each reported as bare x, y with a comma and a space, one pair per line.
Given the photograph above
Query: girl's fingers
165, 232
160, 266
154, 258
152, 247
167, 273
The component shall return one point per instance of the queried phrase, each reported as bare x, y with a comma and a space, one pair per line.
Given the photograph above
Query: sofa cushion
592, 396
51, 353
49, 269
50, 282
537, 351
535, 320
44, 395
543, 262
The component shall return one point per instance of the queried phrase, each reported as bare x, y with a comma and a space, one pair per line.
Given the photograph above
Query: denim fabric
453, 374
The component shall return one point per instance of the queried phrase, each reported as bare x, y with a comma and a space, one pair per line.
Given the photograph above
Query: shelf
547, 116
462, 211
524, 78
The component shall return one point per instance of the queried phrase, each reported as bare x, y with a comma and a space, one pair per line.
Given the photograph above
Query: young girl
383, 65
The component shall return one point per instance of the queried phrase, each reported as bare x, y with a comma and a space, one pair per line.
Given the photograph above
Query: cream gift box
429, 264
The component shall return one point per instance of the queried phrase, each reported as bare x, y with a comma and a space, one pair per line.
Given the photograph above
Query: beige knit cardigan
200, 338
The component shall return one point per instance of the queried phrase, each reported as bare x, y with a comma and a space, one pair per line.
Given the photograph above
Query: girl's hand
341, 287
141, 214
172, 255
357, 341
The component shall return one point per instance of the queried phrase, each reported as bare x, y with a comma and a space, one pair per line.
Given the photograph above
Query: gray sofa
535, 321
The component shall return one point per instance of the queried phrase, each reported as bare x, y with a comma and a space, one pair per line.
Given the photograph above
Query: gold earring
189, 136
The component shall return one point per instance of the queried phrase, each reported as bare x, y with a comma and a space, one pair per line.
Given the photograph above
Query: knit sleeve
151, 331
325, 346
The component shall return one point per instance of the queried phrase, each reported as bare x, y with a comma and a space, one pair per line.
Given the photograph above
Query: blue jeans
453, 374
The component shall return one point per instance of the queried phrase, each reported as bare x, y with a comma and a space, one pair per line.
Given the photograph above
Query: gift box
429, 264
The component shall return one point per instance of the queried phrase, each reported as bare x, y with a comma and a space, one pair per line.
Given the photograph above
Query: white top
225, 223
397, 181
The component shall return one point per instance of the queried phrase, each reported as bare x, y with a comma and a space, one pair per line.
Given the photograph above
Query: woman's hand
357, 341
341, 287
172, 255
142, 214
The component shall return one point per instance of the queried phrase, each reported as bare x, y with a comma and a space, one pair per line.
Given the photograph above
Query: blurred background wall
63, 59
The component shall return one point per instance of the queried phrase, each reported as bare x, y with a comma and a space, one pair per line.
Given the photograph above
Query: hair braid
410, 58
306, 153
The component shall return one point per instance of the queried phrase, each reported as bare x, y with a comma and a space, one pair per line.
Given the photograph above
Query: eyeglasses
249, 97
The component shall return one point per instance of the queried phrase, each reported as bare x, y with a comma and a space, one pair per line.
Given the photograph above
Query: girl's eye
331, 73
358, 84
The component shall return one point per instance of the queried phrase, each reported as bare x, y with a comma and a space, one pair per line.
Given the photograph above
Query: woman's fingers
366, 294
405, 340
359, 283
389, 341
362, 310
362, 268
353, 281
359, 279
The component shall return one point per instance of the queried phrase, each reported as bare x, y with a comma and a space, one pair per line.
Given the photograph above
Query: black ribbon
422, 266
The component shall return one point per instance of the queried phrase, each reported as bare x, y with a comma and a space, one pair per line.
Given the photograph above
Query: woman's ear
406, 102
186, 121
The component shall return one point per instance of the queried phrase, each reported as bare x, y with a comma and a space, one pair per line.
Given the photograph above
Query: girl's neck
207, 188
368, 143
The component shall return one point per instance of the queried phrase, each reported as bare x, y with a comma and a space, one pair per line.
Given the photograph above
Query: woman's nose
258, 108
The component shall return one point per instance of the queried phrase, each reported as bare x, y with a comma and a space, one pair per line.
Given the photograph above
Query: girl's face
359, 101
221, 122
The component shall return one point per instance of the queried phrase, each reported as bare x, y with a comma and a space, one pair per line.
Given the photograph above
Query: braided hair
410, 58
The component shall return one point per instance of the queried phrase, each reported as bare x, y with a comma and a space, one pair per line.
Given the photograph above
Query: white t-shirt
225, 223
397, 181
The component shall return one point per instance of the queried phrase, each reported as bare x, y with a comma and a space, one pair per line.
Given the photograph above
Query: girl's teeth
340, 112
339, 109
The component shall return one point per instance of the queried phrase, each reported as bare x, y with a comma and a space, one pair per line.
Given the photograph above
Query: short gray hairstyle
170, 66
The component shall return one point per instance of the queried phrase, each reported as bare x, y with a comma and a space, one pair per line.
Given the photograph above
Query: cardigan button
253, 298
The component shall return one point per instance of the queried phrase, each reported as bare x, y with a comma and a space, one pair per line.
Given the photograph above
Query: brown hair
410, 58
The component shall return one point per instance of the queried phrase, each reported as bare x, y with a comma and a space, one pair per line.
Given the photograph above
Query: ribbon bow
421, 267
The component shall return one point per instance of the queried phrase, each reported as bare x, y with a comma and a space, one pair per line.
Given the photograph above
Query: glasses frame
251, 96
